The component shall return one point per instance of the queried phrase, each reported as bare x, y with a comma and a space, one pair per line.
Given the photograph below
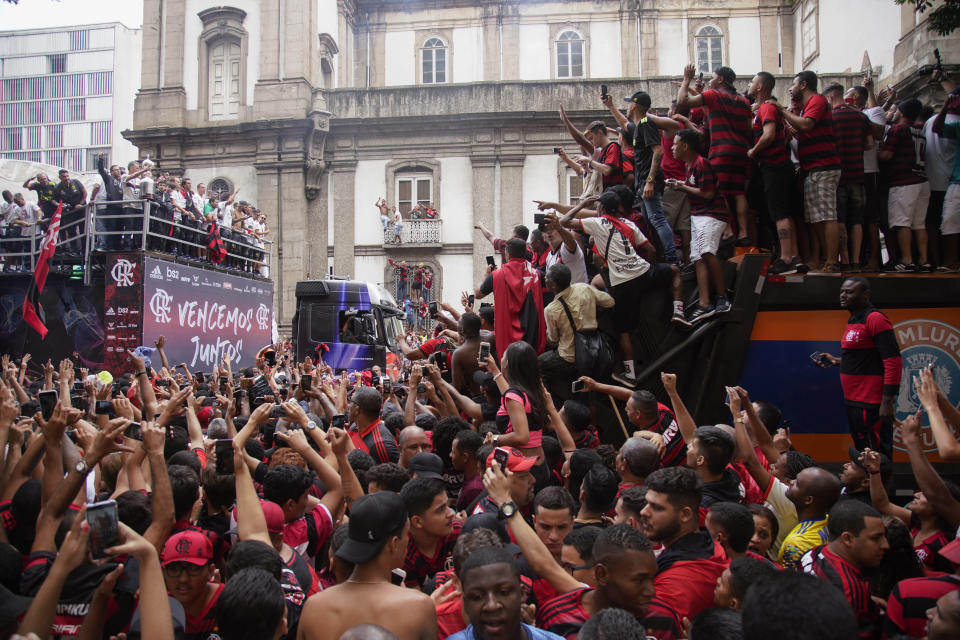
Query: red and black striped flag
218, 251
32, 313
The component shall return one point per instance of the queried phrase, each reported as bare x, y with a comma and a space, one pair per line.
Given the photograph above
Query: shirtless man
464, 363
377, 542
381, 205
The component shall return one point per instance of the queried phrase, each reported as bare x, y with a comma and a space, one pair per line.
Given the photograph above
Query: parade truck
351, 324
99, 305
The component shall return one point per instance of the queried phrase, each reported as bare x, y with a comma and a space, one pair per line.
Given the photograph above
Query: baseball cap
426, 465
187, 546
273, 514
516, 462
886, 466
373, 519
951, 551
640, 97
12, 606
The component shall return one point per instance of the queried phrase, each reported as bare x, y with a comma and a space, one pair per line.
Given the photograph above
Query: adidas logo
110, 312
156, 274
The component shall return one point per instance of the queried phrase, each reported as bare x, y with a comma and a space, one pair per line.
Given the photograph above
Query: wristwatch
82, 467
311, 425
507, 509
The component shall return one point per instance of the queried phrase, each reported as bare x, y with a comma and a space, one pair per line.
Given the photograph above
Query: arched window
220, 187
433, 61
709, 49
569, 55
414, 185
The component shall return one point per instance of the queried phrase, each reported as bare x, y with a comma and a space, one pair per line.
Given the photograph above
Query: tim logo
122, 273
228, 286
160, 306
263, 317
927, 342
156, 274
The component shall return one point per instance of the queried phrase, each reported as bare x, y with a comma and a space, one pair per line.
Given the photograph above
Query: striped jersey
870, 362
824, 564
908, 603
774, 154
850, 127
728, 119
907, 164
817, 148
700, 175
565, 615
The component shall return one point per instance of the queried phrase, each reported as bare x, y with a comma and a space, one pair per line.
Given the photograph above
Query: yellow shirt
805, 536
583, 300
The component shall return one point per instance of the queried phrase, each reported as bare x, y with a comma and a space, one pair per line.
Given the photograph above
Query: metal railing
132, 225
415, 231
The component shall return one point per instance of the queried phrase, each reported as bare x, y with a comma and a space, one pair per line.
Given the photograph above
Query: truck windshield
393, 327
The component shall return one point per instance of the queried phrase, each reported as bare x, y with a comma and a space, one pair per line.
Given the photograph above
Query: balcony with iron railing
414, 234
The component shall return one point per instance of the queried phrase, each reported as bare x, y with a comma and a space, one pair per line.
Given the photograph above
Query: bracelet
738, 420
141, 373
499, 373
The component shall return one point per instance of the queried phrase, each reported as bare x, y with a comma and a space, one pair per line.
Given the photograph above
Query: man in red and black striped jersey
769, 151
819, 162
857, 541
728, 124
433, 531
870, 368
854, 135
367, 431
910, 601
625, 568
500, 245
651, 420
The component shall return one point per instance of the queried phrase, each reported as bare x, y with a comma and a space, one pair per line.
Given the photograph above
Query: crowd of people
469, 490
189, 223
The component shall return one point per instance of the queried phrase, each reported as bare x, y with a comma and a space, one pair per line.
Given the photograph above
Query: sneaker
680, 320
925, 268
625, 379
701, 313
904, 268
722, 306
799, 265
944, 269
781, 268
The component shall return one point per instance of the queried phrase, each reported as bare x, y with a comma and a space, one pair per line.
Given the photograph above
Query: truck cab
358, 322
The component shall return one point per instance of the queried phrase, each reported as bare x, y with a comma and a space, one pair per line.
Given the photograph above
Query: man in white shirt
564, 249
22, 218
938, 161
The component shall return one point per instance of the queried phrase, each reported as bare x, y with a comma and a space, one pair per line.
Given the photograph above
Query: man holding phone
367, 431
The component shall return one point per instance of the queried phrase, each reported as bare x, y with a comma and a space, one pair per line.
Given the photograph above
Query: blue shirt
532, 634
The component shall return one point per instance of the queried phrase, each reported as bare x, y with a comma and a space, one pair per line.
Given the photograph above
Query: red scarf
518, 306
620, 225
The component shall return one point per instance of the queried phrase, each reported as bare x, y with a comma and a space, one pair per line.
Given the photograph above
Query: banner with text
122, 309
205, 315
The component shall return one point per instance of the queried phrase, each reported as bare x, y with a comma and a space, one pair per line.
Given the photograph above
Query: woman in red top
523, 406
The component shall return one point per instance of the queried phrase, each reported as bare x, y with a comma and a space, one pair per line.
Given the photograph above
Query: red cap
204, 415
132, 396
274, 516
187, 546
951, 551
516, 462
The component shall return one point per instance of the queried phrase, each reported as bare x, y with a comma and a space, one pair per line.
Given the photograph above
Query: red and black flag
32, 313
218, 251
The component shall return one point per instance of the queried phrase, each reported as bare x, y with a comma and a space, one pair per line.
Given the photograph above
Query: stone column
173, 43
511, 193
344, 179
648, 43
491, 43
629, 45
483, 213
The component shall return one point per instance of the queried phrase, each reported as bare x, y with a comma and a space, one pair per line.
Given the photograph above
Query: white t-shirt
938, 154
5, 210
578, 268
198, 203
131, 187
225, 214
624, 263
786, 512
870, 162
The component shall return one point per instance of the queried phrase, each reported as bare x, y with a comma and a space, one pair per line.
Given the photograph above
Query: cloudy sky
35, 14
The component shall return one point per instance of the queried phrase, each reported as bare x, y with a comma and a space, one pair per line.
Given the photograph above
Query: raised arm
927, 478
929, 392
585, 146
534, 551
684, 419
684, 97
161, 495
878, 493
618, 115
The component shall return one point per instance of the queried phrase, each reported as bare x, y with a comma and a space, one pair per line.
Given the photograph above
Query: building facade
67, 93
317, 108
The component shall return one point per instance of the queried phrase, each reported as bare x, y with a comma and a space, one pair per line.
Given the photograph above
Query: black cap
886, 466
427, 465
640, 97
12, 606
373, 519
481, 377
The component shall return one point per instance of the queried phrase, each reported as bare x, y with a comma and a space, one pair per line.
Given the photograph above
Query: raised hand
871, 460
669, 381
160, 342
